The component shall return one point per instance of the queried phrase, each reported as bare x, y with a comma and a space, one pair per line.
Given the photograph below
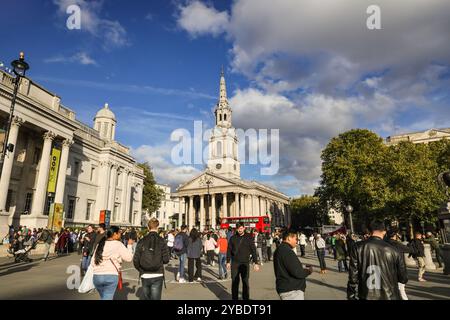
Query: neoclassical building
426, 136
219, 191
95, 171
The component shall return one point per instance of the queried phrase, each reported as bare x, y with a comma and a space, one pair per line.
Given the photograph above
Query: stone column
202, 212
61, 184
236, 205
38, 204
181, 208
191, 212
123, 201
213, 214
242, 201
128, 199
429, 264
112, 188
225, 205
103, 184
8, 162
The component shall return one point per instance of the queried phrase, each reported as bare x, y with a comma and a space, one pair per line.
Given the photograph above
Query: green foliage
152, 195
306, 211
396, 182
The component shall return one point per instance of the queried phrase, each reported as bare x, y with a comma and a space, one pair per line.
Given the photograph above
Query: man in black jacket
419, 254
240, 248
149, 259
289, 272
376, 268
181, 238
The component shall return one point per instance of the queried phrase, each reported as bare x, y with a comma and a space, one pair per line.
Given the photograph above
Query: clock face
218, 166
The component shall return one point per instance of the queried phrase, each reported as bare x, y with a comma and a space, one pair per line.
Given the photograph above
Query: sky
311, 69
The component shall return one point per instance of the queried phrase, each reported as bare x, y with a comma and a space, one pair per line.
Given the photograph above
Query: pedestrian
419, 254
170, 240
210, 245
47, 239
259, 240
194, 253
222, 243
434, 243
108, 256
240, 248
289, 272
302, 242
269, 243
88, 248
320, 250
180, 248
375, 268
394, 239
151, 254
341, 252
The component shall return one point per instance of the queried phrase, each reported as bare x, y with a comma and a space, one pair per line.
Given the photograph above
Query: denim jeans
85, 262
181, 266
321, 256
106, 285
152, 288
222, 264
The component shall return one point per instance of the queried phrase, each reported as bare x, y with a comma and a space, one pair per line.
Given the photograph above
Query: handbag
88, 281
120, 283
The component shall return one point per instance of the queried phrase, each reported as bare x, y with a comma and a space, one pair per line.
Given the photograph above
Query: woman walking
210, 246
194, 252
222, 243
107, 262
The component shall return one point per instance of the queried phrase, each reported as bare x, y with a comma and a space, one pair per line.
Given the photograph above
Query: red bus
262, 224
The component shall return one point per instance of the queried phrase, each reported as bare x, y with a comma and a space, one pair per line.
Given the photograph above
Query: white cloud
110, 32
198, 19
80, 58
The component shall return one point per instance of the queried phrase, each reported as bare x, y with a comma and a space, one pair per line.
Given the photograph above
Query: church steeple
223, 110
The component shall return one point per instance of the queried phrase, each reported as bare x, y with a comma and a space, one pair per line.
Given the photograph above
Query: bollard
445, 250
429, 264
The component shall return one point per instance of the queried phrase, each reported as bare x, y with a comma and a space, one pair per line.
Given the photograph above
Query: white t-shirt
302, 240
170, 240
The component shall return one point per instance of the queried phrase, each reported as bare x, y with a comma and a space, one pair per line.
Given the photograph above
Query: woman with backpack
108, 256
194, 252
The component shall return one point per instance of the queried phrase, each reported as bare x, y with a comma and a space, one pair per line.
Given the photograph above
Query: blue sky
310, 71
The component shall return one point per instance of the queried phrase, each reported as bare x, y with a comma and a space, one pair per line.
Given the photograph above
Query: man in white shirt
170, 241
302, 242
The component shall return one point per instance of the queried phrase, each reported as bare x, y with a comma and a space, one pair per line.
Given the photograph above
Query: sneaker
182, 281
199, 279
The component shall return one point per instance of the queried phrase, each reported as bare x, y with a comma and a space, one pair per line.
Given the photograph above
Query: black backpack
151, 259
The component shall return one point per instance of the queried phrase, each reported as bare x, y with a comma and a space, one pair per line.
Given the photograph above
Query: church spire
223, 102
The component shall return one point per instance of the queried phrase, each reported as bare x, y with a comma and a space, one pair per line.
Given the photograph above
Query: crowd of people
377, 251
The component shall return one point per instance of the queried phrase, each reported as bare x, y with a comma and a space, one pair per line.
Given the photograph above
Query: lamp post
349, 209
207, 180
19, 69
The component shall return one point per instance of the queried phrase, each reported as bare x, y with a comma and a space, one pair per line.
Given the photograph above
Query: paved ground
48, 280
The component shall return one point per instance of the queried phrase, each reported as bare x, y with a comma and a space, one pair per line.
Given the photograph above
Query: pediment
204, 179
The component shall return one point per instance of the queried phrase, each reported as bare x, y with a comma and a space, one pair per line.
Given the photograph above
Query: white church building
95, 171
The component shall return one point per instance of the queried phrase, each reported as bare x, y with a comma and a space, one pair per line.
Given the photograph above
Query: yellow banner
55, 217
54, 165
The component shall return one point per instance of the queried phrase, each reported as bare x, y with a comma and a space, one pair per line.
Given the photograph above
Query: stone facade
95, 171
219, 191
420, 137
170, 209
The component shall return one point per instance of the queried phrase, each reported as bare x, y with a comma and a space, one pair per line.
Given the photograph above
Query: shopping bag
88, 281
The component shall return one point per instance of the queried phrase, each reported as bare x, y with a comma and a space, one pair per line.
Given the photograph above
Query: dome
105, 112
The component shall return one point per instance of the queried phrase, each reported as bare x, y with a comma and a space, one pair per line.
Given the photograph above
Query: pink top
113, 251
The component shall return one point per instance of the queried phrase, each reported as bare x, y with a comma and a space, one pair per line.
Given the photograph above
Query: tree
353, 173
307, 212
151, 194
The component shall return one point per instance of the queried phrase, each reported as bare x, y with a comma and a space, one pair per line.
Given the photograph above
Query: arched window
225, 117
219, 148
220, 117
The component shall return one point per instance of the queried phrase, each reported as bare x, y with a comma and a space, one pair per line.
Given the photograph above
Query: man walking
88, 248
180, 245
302, 242
289, 272
46, 237
320, 249
434, 243
240, 248
376, 268
150, 256
419, 254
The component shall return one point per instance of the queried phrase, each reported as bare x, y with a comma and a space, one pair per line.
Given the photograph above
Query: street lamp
349, 209
19, 69
207, 180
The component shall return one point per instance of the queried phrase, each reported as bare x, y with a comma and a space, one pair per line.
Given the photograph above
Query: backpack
151, 256
178, 244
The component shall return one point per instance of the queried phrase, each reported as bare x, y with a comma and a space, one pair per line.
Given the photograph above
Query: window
157, 214
71, 208
116, 209
28, 199
36, 155
76, 168
220, 117
225, 117
92, 173
8, 200
88, 210
50, 200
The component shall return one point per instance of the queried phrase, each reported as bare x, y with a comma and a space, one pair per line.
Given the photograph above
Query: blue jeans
106, 285
222, 264
85, 262
181, 266
152, 288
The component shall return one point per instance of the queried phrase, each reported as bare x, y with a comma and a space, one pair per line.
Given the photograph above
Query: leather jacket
375, 270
